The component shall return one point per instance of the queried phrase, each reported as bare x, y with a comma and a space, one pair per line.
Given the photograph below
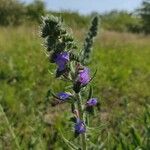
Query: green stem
10, 128
81, 116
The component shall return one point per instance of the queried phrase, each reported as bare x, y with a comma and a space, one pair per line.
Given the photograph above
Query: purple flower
79, 126
63, 96
61, 60
92, 102
84, 76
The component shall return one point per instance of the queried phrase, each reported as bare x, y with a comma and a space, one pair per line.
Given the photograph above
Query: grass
122, 85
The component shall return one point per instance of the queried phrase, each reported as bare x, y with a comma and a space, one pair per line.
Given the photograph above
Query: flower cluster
60, 47
82, 78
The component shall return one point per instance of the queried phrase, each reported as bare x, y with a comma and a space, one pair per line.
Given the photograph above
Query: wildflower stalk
88, 43
61, 50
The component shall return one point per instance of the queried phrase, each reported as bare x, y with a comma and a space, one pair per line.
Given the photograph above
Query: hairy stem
81, 116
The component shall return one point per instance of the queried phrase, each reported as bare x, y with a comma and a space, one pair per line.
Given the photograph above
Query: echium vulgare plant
71, 66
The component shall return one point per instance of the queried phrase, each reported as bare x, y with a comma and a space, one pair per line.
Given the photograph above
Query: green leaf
93, 75
90, 93
68, 143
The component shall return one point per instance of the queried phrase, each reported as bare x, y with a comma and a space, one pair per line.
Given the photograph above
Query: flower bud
83, 78
63, 96
92, 102
61, 60
79, 127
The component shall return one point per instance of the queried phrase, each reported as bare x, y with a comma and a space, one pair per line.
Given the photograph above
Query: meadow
122, 84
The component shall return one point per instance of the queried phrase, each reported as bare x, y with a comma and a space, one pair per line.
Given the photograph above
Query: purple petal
92, 102
61, 60
84, 76
80, 127
63, 96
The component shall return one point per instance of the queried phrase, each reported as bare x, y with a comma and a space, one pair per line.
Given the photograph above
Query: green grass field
122, 84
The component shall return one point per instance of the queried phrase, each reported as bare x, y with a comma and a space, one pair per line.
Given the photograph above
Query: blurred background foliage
122, 82
13, 12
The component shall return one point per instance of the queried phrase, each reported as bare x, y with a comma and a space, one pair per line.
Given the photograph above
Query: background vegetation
122, 82
19, 13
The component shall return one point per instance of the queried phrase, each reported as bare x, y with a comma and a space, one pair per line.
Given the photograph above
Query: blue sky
88, 6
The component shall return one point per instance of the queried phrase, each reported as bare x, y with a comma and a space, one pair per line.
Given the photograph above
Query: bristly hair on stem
88, 43
57, 39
